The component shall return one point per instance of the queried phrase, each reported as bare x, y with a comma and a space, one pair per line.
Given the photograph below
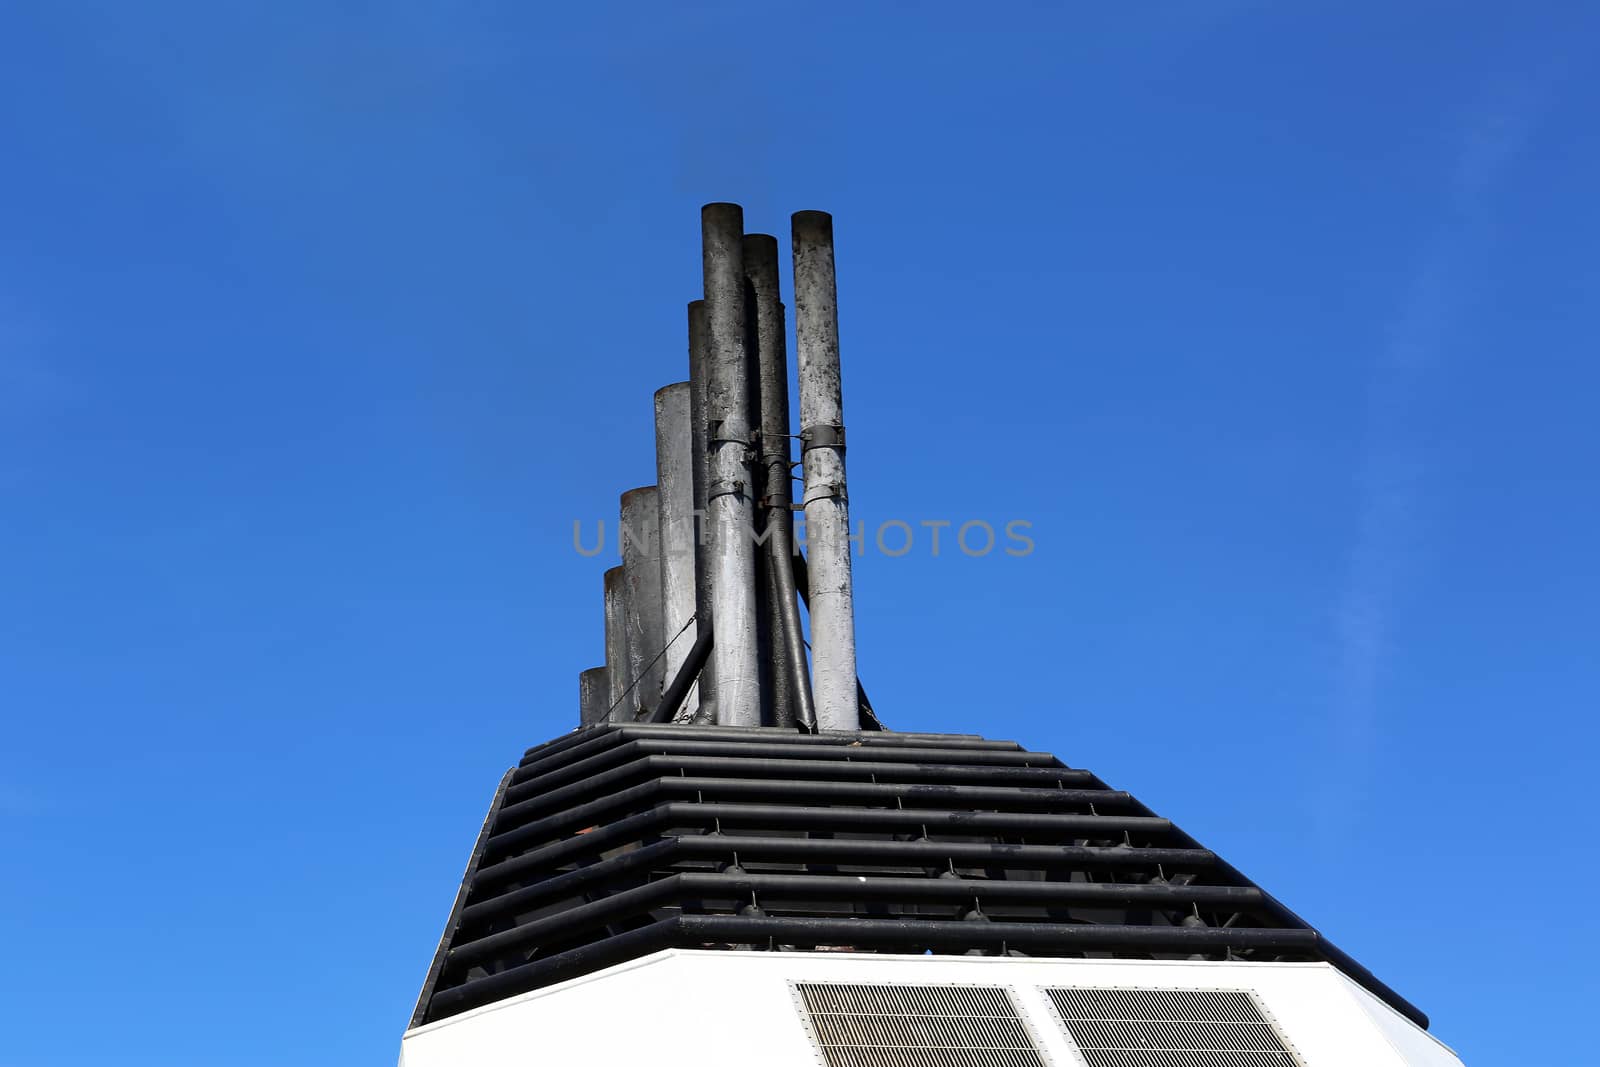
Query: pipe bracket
827, 491
821, 435
727, 431
716, 489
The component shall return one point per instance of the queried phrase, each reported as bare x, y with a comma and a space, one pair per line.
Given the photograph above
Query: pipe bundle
703, 617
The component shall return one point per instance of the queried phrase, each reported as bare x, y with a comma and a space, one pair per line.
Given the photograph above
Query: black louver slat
617, 841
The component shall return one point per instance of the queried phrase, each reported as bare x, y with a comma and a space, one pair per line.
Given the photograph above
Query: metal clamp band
830, 491
716, 489
822, 436
727, 431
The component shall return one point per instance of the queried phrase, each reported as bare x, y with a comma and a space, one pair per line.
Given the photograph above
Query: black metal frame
619, 840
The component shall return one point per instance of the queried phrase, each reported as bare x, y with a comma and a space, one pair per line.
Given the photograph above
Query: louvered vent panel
1170, 1028
705, 837
917, 1026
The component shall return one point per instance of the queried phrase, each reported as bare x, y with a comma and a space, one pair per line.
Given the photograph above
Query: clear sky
321, 323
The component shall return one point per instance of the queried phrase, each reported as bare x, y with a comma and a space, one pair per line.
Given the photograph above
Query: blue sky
320, 324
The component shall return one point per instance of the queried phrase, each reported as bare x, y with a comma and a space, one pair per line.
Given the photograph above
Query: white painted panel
1415, 1046
732, 1009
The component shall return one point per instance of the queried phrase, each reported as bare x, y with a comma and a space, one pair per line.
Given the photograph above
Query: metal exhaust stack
733, 607
699, 375
791, 681
594, 695
640, 537
675, 486
619, 680
833, 637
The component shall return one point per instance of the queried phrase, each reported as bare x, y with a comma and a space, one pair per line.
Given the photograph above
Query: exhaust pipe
675, 486
640, 537
594, 695
791, 682
827, 508
699, 377
728, 496
619, 680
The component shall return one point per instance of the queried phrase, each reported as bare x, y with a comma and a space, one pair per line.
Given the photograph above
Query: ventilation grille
917, 1026
1170, 1028
707, 837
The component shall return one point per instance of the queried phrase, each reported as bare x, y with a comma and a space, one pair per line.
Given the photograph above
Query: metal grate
615, 842
917, 1026
1170, 1028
